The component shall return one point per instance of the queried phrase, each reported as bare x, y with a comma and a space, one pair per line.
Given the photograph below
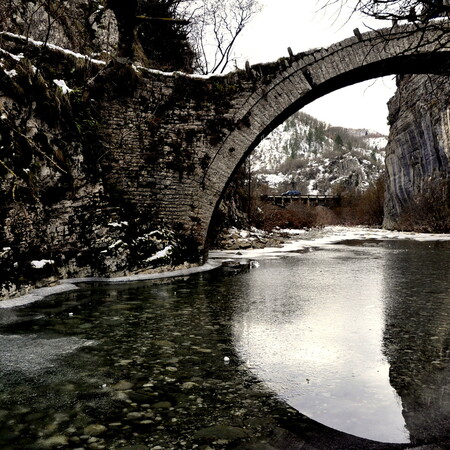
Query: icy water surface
354, 336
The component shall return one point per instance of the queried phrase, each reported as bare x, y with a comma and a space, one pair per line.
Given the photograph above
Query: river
340, 330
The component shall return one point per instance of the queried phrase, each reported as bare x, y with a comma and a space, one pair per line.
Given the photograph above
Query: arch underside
432, 62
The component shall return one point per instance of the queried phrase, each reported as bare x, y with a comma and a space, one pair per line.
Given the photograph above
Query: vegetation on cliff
60, 217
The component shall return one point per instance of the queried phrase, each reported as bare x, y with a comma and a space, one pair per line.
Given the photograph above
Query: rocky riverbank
234, 239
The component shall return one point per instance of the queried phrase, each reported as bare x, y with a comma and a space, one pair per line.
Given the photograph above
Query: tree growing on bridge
185, 35
182, 34
153, 32
215, 27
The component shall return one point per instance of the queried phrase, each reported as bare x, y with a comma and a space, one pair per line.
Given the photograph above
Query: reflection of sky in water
315, 337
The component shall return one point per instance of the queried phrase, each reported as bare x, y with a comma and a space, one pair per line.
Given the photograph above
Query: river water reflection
316, 339
323, 329
356, 336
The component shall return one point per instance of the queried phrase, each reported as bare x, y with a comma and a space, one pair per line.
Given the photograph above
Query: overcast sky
302, 25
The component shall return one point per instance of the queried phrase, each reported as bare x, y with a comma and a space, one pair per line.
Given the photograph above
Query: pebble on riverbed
94, 429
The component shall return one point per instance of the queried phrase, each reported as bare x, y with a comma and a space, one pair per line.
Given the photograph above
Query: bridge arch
190, 134
309, 76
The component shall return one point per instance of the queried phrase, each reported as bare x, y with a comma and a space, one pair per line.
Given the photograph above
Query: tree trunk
125, 12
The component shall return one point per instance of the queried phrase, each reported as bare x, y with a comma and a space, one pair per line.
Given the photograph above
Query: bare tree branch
216, 24
397, 10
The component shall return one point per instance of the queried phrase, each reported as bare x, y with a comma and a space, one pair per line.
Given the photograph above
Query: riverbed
340, 339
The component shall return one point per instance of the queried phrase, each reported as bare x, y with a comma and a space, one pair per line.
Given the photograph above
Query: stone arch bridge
175, 140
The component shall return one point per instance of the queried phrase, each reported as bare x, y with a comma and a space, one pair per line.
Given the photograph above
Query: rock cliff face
417, 154
59, 218
84, 26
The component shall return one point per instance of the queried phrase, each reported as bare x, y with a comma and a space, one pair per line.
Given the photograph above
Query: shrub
362, 207
293, 216
371, 204
428, 212
325, 216
293, 165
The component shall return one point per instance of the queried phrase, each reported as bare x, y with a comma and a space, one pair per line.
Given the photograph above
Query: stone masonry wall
59, 217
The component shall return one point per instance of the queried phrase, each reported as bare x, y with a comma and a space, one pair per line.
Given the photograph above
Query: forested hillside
313, 157
307, 154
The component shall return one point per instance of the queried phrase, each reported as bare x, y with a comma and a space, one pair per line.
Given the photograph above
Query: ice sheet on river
300, 241
33, 353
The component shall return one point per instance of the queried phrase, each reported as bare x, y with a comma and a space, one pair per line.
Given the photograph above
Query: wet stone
125, 362
138, 397
220, 432
35, 416
134, 415
53, 442
94, 430
122, 385
188, 385
163, 343
21, 410
162, 405
146, 422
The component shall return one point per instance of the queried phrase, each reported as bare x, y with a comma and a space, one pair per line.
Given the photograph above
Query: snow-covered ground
377, 142
302, 240
297, 240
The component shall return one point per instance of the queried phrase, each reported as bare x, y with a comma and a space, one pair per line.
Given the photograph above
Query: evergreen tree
150, 30
338, 142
